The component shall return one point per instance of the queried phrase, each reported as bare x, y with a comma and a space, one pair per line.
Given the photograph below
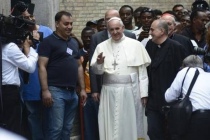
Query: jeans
91, 131
34, 109
58, 119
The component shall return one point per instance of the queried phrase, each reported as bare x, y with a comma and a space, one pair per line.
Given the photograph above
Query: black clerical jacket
166, 62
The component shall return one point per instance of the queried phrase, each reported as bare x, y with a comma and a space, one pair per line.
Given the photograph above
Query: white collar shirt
145, 40
200, 94
12, 59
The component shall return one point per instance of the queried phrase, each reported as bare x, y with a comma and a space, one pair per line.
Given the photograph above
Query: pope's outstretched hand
100, 58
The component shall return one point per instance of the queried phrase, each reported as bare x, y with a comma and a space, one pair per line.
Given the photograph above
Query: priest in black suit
96, 80
166, 55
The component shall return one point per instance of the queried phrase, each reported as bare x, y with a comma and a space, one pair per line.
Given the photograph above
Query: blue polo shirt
32, 90
62, 67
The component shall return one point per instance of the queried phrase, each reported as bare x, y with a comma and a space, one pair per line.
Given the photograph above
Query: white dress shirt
145, 40
200, 94
12, 59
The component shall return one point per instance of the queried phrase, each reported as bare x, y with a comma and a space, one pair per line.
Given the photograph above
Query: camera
204, 52
14, 29
17, 28
146, 28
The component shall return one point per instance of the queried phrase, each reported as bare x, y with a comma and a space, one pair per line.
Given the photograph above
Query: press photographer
18, 35
199, 97
13, 57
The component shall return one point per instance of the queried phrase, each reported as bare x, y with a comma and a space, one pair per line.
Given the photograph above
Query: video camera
205, 53
15, 28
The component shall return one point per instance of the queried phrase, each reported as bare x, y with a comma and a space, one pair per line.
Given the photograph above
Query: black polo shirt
62, 67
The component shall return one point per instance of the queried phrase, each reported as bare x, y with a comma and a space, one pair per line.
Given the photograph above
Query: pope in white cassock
122, 62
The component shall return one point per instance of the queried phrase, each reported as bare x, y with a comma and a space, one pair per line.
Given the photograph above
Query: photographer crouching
13, 57
199, 122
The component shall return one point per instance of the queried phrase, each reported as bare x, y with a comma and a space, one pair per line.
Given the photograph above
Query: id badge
69, 51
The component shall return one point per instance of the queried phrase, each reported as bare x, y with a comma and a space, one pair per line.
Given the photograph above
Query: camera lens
199, 51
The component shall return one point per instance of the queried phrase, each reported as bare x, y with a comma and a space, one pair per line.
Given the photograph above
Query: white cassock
120, 112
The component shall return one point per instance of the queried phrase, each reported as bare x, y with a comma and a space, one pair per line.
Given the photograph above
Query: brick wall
85, 10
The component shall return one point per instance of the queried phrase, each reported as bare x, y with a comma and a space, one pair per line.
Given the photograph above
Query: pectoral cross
115, 64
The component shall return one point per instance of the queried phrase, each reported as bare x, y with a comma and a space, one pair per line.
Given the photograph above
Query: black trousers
157, 125
199, 128
11, 114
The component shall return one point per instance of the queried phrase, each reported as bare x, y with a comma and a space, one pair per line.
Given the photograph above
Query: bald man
166, 55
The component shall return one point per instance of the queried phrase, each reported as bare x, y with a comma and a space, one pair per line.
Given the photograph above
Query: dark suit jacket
184, 41
96, 80
166, 62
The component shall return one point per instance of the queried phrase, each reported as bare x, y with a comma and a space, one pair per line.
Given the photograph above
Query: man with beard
197, 31
166, 56
60, 69
91, 107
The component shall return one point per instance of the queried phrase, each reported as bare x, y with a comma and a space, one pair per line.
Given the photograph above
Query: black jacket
166, 62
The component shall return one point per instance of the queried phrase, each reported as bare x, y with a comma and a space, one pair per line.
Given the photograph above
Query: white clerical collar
159, 46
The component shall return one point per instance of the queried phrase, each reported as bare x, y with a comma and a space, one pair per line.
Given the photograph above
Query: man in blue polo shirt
31, 93
59, 70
